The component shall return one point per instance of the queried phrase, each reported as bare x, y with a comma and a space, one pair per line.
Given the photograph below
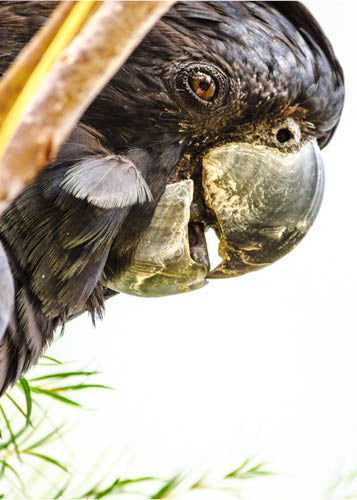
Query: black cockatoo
236, 98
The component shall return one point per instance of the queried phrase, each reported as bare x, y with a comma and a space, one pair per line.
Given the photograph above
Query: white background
262, 365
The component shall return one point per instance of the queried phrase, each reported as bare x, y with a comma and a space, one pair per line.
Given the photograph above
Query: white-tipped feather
107, 182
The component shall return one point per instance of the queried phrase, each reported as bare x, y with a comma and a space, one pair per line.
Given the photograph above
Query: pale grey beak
259, 201
263, 202
163, 264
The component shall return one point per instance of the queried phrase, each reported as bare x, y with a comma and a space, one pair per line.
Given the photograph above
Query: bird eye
203, 86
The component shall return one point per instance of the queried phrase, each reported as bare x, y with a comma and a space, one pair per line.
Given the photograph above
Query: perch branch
79, 73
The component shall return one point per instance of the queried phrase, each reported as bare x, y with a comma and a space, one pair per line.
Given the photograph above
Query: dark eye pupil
204, 85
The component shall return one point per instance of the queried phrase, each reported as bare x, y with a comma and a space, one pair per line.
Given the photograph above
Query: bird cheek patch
107, 182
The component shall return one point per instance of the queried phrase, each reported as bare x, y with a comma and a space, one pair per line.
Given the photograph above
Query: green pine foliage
29, 438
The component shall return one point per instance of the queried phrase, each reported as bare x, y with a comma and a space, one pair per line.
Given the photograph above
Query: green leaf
117, 484
17, 406
242, 472
124, 482
257, 470
62, 490
90, 493
200, 483
30, 432
47, 459
236, 471
26, 388
55, 361
6, 444
168, 487
108, 490
80, 386
45, 439
12, 435
54, 395
6, 465
64, 375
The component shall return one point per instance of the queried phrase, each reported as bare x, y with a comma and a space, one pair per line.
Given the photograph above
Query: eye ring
286, 134
201, 86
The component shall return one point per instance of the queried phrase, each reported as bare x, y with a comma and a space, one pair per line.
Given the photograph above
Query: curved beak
263, 202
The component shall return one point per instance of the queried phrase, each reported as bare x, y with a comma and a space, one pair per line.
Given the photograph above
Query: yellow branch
38, 126
73, 23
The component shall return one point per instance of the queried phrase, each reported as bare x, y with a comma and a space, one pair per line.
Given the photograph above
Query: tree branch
77, 76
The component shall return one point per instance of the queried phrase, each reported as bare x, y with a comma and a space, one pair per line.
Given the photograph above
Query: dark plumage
64, 238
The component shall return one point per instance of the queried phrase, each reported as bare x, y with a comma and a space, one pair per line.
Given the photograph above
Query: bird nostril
284, 135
